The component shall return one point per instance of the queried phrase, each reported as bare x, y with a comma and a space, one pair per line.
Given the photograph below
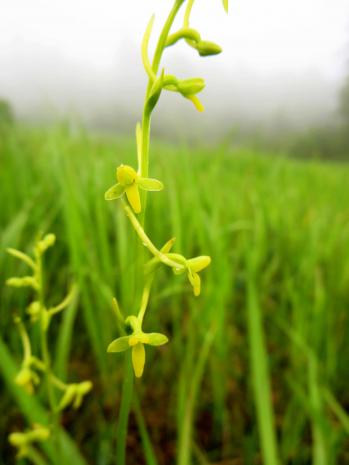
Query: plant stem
45, 356
127, 388
164, 34
145, 298
35, 456
147, 242
187, 13
146, 119
125, 407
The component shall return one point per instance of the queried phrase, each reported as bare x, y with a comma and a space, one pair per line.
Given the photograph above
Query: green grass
256, 369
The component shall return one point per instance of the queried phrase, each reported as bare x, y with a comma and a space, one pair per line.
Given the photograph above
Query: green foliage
203, 386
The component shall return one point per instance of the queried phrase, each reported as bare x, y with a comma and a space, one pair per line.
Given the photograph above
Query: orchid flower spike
129, 182
136, 342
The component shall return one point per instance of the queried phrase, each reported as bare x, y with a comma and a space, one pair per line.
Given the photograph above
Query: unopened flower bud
206, 48
45, 243
26, 281
17, 439
24, 377
34, 310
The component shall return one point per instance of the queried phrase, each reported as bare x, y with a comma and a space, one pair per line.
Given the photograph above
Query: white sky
100, 38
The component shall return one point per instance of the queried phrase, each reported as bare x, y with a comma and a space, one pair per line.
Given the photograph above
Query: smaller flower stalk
34, 369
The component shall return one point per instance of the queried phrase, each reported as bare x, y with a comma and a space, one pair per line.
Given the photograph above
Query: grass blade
261, 377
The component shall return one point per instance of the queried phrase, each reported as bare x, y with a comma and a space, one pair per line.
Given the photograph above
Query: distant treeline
323, 142
327, 141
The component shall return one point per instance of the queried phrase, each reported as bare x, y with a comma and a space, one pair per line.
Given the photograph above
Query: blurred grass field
257, 368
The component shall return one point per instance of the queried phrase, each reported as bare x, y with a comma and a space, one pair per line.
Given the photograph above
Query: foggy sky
280, 58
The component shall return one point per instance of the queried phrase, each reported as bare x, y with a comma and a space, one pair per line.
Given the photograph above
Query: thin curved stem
188, 12
46, 359
146, 118
164, 34
33, 455
145, 298
147, 242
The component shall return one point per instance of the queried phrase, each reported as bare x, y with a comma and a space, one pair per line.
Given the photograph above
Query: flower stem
147, 242
45, 357
35, 457
146, 119
145, 298
127, 388
125, 407
164, 34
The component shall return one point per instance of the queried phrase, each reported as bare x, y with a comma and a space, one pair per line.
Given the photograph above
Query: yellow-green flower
74, 394
136, 341
129, 182
192, 266
27, 378
24, 440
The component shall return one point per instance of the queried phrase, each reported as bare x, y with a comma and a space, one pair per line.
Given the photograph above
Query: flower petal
195, 281
150, 184
156, 339
68, 397
125, 175
119, 345
196, 102
199, 263
138, 359
114, 192
133, 197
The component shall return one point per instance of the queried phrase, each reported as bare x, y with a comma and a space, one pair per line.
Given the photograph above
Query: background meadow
258, 362
256, 369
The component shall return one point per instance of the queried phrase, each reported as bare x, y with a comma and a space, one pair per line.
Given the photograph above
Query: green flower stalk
33, 369
129, 181
133, 201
